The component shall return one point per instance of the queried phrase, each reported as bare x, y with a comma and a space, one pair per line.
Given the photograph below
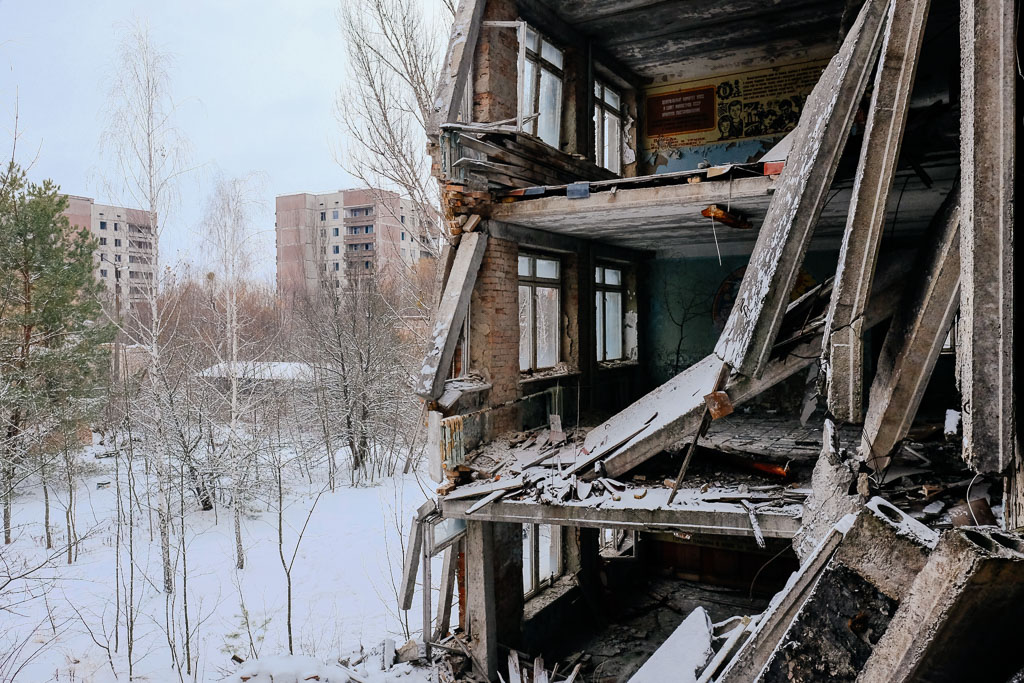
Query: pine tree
51, 333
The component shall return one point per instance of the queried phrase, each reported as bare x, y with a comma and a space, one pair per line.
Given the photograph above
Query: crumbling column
494, 577
988, 55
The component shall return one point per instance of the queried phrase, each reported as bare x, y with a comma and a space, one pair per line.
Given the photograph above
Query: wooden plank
915, 338
471, 491
451, 313
458, 62
842, 357
412, 557
988, 38
449, 564
756, 317
426, 598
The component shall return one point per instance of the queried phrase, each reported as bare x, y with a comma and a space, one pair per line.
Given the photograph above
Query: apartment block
126, 254
323, 239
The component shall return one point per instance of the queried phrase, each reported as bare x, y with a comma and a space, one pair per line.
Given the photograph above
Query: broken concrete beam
988, 53
887, 117
823, 625
825, 122
685, 653
451, 312
960, 620
915, 338
833, 493
772, 624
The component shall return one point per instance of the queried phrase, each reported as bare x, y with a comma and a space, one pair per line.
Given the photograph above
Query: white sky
255, 81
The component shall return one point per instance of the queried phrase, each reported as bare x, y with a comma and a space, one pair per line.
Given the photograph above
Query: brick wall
494, 66
494, 332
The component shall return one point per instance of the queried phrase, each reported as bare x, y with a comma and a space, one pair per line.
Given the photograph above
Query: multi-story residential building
126, 254
322, 239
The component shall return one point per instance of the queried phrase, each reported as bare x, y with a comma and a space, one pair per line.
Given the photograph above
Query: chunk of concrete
961, 618
836, 612
833, 493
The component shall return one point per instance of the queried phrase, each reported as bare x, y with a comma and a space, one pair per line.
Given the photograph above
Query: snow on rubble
62, 619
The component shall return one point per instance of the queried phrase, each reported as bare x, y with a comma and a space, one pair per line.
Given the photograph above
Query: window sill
614, 364
551, 373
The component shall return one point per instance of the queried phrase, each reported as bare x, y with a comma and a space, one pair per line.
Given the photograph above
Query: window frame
528, 117
602, 109
533, 583
600, 288
533, 281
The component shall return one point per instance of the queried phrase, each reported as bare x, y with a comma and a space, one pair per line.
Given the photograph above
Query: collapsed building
727, 313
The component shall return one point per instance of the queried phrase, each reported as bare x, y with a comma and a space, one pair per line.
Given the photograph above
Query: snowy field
62, 619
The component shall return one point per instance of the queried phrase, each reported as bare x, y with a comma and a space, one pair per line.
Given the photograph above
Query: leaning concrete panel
451, 312
755, 319
961, 619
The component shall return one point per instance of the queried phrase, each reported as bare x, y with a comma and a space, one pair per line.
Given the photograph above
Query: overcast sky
255, 81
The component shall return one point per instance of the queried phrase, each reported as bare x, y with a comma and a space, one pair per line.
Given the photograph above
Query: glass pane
551, 53
597, 90
548, 125
599, 134
613, 153
529, 108
527, 559
547, 268
524, 266
547, 327
599, 309
598, 274
613, 277
525, 329
612, 98
613, 325
531, 39
545, 553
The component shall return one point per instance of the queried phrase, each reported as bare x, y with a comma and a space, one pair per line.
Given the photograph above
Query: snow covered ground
343, 594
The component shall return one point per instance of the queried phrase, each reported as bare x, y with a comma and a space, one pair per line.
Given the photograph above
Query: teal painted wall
679, 317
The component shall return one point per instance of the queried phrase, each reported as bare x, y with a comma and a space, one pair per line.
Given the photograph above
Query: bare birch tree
150, 156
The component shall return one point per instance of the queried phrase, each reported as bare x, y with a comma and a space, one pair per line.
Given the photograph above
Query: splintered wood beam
916, 335
458, 62
842, 357
451, 312
987, 140
750, 331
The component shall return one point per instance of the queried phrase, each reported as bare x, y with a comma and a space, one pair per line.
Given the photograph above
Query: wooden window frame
533, 281
600, 287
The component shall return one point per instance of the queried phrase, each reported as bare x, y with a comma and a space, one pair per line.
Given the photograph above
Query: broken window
610, 315
542, 556
539, 309
607, 127
542, 88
